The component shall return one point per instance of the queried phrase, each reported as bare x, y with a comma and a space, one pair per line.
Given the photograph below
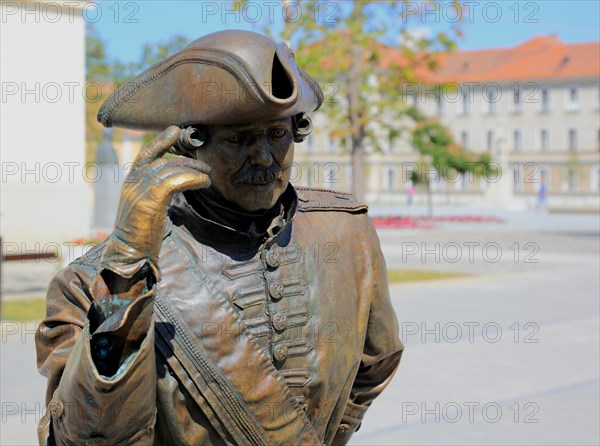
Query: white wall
45, 197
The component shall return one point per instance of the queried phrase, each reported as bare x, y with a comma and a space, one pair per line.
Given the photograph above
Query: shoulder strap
315, 199
222, 397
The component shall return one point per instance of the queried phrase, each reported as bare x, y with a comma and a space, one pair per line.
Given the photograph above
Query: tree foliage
101, 68
363, 53
435, 141
109, 73
97, 65
440, 153
152, 53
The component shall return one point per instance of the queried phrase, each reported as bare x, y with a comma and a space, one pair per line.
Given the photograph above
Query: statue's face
250, 163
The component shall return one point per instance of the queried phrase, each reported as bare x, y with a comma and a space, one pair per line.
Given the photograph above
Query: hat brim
208, 86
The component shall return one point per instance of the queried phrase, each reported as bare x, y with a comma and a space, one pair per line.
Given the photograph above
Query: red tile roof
543, 57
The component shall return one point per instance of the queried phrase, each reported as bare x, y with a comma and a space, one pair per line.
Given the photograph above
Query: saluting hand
144, 201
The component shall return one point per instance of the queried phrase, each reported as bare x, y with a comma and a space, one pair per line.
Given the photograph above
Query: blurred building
45, 190
535, 107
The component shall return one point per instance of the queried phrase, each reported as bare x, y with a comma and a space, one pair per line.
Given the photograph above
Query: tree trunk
429, 199
358, 172
356, 126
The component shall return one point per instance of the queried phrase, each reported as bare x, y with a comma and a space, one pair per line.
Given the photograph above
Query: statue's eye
234, 139
278, 133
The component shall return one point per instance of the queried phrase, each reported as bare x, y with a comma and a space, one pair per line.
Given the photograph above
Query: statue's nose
260, 154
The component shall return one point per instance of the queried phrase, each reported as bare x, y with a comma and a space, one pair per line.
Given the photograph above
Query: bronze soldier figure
227, 307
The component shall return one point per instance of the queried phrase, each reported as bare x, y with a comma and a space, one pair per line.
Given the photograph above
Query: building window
465, 102
391, 143
310, 143
457, 181
408, 170
311, 178
544, 175
517, 140
545, 100
491, 101
412, 100
517, 99
573, 98
436, 182
572, 140
331, 145
595, 182
489, 140
517, 185
390, 178
330, 175
464, 139
544, 140
464, 181
483, 183
439, 104
571, 179
349, 180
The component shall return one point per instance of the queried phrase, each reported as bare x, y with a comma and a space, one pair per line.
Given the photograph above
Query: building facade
45, 192
535, 108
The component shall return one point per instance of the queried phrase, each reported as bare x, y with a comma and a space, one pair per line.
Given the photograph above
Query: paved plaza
507, 354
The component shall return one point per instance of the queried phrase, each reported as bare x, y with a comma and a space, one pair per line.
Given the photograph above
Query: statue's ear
190, 140
302, 125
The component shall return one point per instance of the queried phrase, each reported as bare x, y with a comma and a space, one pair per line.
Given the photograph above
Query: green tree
151, 54
441, 154
97, 65
109, 73
363, 53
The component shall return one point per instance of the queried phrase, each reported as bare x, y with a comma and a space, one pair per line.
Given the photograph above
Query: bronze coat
315, 308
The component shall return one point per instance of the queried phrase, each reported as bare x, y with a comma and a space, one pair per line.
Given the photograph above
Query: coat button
57, 409
343, 429
276, 290
280, 353
279, 321
272, 259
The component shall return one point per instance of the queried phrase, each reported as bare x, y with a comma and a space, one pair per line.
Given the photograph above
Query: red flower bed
469, 219
427, 222
399, 222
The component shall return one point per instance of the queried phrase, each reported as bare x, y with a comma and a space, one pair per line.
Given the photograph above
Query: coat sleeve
88, 402
382, 347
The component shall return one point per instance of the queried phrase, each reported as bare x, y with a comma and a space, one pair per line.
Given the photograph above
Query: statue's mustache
251, 174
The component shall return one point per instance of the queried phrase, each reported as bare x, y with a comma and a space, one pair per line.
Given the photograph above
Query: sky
126, 25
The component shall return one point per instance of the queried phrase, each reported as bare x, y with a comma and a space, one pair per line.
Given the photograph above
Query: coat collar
214, 224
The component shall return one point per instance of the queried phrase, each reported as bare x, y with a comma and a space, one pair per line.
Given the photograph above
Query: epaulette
315, 199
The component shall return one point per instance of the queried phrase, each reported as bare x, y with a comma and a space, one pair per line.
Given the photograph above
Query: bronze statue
227, 307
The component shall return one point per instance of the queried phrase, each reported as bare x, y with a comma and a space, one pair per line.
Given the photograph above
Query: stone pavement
508, 355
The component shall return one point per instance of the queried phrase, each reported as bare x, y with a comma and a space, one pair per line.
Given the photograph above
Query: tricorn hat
225, 78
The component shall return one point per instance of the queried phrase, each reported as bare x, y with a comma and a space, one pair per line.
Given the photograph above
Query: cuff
119, 337
88, 406
350, 423
126, 260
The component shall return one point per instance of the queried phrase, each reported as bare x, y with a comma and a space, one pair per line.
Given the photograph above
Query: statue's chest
272, 291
